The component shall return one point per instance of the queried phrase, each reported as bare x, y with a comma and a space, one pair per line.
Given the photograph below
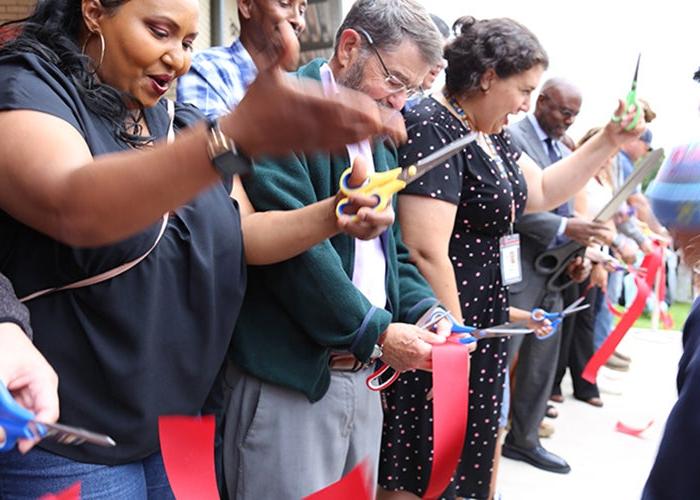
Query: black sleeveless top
148, 342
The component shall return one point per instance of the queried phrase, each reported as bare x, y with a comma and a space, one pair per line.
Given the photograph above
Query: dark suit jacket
536, 230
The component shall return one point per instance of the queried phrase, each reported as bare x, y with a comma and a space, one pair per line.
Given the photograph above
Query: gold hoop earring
102, 48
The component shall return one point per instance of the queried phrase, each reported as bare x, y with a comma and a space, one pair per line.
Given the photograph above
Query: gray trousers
279, 445
534, 374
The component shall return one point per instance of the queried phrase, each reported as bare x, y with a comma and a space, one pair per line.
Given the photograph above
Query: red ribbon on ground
651, 263
187, 446
354, 486
450, 410
72, 493
632, 431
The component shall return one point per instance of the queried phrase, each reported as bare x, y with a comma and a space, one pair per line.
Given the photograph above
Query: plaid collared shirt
218, 79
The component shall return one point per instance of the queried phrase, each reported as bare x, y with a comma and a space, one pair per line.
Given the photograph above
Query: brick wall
15, 9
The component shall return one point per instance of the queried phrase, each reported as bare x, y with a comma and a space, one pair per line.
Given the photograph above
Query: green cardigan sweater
298, 311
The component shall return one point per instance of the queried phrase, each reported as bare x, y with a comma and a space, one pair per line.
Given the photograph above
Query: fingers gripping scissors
17, 422
556, 318
631, 101
383, 185
461, 334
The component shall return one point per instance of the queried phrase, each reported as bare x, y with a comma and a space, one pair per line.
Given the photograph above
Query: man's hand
599, 277
361, 220
646, 246
408, 347
579, 269
585, 232
628, 251
28, 377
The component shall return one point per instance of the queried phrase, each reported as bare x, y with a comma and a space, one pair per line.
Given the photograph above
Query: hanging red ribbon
72, 493
187, 446
354, 486
450, 410
651, 263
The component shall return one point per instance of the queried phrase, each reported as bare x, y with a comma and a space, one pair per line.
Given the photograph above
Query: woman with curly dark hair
467, 207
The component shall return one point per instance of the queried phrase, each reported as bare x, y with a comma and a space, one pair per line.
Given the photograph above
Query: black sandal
551, 412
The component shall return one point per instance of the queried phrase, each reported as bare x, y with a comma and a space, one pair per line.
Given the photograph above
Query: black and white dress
485, 191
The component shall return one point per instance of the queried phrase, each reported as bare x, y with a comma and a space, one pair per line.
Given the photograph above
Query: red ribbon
187, 446
450, 409
651, 263
72, 493
632, 431
354, 486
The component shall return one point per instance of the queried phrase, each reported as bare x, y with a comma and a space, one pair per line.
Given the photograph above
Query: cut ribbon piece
72, 493
450, 411
354, 486
187, 446
632, 431
652, 262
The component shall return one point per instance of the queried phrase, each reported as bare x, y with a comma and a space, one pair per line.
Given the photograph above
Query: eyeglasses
393, 83
565, 112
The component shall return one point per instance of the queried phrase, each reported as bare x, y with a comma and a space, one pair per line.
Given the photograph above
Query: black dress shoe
537, 456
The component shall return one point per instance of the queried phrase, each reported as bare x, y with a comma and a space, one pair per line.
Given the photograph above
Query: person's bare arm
426, 227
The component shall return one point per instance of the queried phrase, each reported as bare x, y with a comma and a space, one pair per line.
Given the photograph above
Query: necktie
562, 210
551, 152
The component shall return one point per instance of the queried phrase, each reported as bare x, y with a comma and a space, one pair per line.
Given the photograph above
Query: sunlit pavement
606, 464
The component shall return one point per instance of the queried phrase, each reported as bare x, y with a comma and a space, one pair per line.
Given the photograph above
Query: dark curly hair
52, 33
500, 44
696, 76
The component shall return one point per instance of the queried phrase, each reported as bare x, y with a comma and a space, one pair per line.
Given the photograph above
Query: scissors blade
636, 72
574, 310
410, 174
490, 333
66, 434
574, 304
646, 165
504, 330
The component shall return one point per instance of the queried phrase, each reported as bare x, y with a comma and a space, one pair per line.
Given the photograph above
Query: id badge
511, 270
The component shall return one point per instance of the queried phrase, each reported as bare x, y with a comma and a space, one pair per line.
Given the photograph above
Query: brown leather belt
345, 363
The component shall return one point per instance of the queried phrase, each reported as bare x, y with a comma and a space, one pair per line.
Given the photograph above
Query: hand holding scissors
460, 334
17, 422
556, 318
383, 185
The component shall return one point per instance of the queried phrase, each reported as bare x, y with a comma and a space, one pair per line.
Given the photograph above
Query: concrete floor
606, 464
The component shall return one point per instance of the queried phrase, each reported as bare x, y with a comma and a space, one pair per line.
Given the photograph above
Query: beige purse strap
108, 275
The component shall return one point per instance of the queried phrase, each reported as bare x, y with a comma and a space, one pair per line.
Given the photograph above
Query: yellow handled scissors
630, 101
383, 185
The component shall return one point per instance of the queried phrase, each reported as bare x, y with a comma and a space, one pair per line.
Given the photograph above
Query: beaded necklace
484, 140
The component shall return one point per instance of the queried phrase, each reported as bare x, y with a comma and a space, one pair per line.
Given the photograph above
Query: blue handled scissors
539, 314
630, 101
461, 334
383, 185
19, 423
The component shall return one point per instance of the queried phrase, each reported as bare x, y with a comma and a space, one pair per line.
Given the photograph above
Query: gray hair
390, 22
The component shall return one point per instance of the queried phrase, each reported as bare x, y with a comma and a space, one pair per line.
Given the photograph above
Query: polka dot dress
485, 191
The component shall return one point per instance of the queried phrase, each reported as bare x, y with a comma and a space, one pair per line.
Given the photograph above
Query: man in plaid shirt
220, 76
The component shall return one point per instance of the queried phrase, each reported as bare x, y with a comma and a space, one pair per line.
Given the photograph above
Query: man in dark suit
539, 136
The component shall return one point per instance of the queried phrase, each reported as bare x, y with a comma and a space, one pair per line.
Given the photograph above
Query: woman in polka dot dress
452, 220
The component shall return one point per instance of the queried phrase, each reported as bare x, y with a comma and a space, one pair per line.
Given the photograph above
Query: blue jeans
603, 317
40, 472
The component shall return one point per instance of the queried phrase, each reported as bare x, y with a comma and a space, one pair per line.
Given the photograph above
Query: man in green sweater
300, 415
